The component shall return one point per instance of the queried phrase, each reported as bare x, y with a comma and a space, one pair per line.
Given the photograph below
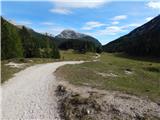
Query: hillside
142, 41
70, 34
23, 42
69, 39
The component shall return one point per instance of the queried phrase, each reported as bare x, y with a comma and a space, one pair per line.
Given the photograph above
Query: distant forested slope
23, 42
78, 45
69, 39
143, 41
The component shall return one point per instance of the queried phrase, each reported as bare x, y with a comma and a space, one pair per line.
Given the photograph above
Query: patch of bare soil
107, 74
16, 65
75, 107
85, 103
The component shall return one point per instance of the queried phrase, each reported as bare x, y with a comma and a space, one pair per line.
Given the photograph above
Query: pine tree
10, 42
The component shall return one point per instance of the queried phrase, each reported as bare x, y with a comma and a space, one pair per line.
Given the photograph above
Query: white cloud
114, 30
24, 22
111, 30
65, 6
47, 23
154, 4
91, 25
149, 18
20, 22
115, 22
61, 11
131, 25
119, 17
79, 4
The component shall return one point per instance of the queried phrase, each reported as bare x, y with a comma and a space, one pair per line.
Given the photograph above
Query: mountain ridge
71, 35
142, 41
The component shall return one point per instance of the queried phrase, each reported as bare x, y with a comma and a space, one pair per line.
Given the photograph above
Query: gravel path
31, 93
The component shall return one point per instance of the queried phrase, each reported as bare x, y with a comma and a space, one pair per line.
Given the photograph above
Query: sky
105, 20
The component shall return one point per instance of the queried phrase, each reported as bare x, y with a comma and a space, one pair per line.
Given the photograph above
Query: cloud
114, 30
111, 30
79, 4
66, 6
20, 22
91, 25
61, 11
24, 22
131, 25
119, 17
115, 22
47, 23
149, 18
154, 4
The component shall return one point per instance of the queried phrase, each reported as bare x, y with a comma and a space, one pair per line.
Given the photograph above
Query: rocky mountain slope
72, 35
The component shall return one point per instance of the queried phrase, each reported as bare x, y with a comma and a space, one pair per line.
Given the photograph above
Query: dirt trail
31, 93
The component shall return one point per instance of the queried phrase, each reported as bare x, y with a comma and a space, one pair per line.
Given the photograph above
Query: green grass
8, 72
144, 79
71, 55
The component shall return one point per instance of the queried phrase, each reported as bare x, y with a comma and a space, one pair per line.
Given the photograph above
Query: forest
21, 42
80, 46
142, 41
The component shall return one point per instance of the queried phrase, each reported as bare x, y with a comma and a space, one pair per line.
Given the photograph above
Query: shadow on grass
139, 58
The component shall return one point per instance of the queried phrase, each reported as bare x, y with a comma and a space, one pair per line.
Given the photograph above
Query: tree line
147, 44
142, 41
21, 42
80, 46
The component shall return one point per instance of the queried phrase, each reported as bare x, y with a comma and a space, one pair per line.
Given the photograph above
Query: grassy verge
71, 55
8, 71
112, 72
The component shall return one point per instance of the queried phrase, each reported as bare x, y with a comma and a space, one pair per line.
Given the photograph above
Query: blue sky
105, 20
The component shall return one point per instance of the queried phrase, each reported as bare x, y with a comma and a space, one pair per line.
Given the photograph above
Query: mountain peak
70, 34
67, 30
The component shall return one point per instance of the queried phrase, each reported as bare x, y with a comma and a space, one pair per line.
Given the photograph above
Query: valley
101, 78
80, 60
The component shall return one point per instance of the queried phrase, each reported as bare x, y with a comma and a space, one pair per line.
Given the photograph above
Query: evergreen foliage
11, 45
24, 42
81, 46
143, 41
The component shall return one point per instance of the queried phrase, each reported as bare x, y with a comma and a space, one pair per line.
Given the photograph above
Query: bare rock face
73, 35
70, 34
